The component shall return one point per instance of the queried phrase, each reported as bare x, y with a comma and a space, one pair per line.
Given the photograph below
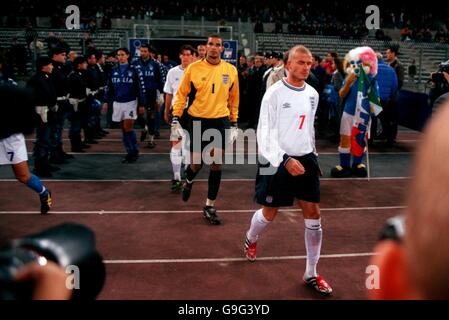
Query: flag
368, 103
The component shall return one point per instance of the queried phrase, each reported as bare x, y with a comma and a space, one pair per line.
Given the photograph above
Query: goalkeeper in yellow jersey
211, 88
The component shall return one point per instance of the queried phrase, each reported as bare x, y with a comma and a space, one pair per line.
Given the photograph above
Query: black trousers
389, 119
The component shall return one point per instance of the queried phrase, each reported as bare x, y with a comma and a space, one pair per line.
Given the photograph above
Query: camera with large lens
438, 77
68, 245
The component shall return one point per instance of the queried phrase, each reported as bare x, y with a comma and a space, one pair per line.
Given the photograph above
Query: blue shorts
280, 189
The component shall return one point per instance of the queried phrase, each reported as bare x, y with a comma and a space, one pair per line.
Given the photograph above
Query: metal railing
182, 30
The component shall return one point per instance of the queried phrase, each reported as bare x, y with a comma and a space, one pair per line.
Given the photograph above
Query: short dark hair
150, 48
215, 35
394, 49
125, 50
79, 60
186, 47
98, 54
89, 54
333, 54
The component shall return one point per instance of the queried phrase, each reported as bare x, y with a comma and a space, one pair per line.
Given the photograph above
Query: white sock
176, 158
210, 203
185, 152
258, 224
43, 190
151, 137
313, 236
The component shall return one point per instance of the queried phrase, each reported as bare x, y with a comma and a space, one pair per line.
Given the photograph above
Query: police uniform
99, 97
94, 84
58, 115
213, 97
45, 99
77, 98
107, 68
285, 131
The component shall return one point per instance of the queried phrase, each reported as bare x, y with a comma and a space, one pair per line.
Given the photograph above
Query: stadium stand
432, 54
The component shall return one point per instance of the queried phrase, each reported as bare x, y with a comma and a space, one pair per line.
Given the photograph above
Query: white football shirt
174, 77
286, 122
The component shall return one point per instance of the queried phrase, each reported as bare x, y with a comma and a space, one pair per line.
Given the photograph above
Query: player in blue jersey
154, 81
125, 92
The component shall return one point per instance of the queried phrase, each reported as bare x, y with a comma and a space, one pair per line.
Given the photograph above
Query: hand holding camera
442, 75
40, 266
49, 281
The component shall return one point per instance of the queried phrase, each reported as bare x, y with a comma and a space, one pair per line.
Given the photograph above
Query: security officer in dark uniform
103, 80
77, 98
45, 99
58, 115
111, 61
93, 81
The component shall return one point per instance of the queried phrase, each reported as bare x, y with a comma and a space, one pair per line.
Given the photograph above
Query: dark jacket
151, 73
17, 109
78, 85
43, 90
59, 79
399, 69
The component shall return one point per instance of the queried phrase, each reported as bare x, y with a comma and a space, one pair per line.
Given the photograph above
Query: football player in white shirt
174, 77
13, 150
286, 140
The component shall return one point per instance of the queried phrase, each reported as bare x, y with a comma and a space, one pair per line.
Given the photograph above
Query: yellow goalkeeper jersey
212, 91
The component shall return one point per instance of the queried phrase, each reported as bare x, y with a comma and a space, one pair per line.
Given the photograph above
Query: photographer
440, 85
59, 263
412, 258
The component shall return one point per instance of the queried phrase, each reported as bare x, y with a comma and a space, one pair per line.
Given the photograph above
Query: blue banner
413, 109
134, 46
230, 52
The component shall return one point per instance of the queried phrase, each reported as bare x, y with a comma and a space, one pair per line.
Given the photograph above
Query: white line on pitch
209, 260
233, 153
201, 180
101, 212
121, 141
167, 140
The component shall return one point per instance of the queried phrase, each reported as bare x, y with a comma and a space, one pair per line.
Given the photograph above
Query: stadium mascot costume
360, 100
